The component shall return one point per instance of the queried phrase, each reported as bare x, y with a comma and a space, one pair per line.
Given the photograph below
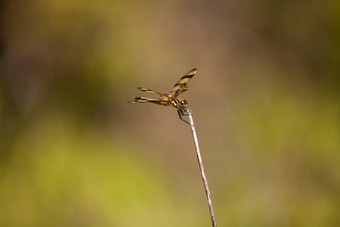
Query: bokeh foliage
265, 101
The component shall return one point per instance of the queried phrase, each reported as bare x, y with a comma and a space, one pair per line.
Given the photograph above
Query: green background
265, 102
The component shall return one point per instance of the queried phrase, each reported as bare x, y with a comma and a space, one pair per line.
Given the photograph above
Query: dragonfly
170, 99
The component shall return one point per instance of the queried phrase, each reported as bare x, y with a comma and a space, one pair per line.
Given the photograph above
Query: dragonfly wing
180, 86
151, 91
181, 90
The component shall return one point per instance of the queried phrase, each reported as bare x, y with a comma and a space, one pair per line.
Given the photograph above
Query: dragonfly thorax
177, 103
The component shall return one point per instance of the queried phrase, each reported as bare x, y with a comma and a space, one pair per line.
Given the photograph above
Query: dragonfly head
183, 103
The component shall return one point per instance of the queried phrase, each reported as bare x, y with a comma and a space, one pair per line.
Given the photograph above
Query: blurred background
265, 100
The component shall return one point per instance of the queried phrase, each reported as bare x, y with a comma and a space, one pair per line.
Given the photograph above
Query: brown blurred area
265, 100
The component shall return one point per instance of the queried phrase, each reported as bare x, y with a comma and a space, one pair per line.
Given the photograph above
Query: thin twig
200, 163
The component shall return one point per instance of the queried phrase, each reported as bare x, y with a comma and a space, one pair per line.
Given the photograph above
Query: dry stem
200, 163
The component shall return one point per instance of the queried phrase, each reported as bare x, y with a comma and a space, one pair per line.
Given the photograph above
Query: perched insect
170, 99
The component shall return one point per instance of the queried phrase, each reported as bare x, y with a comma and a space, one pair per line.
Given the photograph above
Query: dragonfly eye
184, 102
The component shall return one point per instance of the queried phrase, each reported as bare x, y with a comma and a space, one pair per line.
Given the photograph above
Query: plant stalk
200, 163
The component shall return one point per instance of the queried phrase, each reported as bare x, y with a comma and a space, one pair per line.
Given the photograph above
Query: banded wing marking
151, 91
180, 86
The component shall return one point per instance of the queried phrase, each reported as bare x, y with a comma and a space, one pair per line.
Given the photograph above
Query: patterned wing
181, 90
180, 86
151, 91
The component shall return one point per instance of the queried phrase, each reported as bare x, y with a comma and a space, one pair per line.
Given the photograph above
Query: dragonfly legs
182, 113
